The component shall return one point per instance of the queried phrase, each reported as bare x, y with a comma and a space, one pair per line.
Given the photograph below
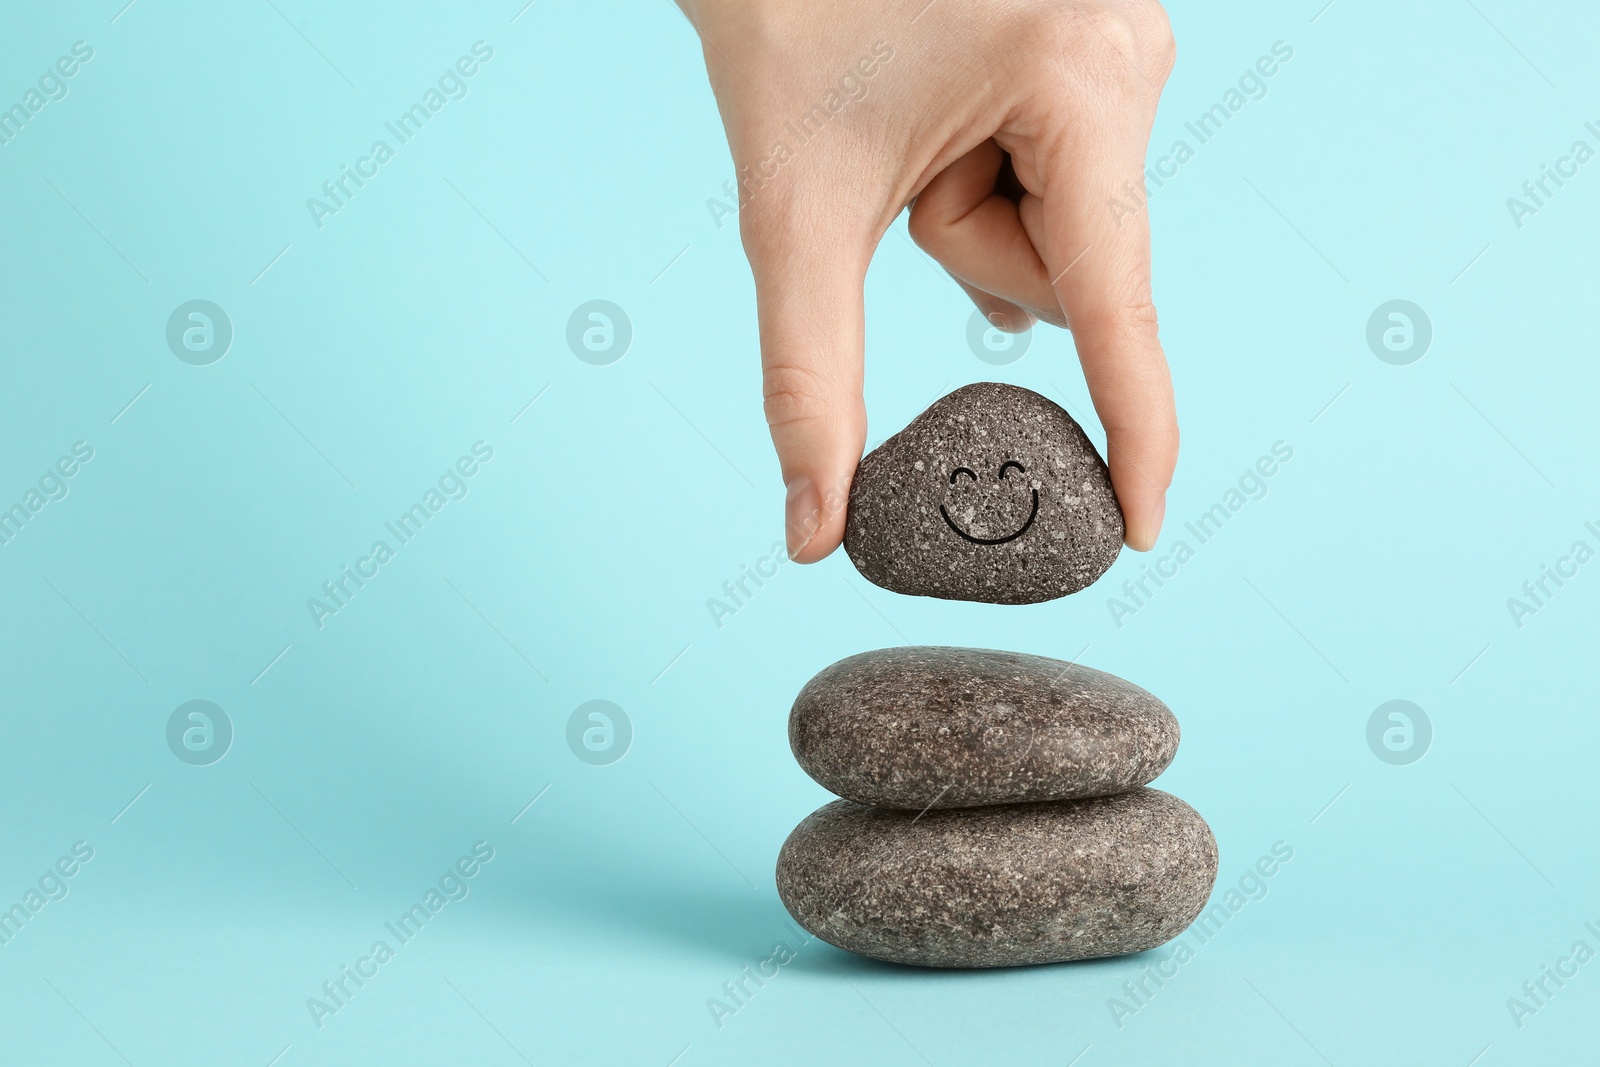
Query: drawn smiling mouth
1032, 514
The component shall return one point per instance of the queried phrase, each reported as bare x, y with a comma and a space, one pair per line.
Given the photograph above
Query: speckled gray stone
993, 494
921, 727
1000, 886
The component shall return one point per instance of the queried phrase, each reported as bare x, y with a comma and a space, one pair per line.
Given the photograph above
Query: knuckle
1132, 321
1128, 46
1140, 313
793, 394
1160, 46
1114, 32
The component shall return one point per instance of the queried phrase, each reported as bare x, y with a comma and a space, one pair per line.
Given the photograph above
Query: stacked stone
996, 809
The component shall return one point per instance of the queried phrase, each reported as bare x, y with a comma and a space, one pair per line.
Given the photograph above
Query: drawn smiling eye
1010, 464
963, 470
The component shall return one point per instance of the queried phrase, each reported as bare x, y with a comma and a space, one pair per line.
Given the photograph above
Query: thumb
1100, 266
809, 299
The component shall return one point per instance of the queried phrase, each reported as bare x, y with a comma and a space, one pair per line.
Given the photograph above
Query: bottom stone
1000, 886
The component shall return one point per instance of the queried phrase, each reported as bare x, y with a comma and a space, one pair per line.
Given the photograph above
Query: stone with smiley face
994, 494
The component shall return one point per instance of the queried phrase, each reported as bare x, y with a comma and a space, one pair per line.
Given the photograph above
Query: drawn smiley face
958, 481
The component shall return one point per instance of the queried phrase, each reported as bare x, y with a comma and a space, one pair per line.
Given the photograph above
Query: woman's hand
1015, 129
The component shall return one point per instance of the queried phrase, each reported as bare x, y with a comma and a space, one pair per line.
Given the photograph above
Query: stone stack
996, 809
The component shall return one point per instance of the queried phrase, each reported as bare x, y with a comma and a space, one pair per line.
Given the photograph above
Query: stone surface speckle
993, 494
1000, 886
919, 727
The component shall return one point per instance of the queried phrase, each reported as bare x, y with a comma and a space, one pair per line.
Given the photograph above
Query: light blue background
424, 717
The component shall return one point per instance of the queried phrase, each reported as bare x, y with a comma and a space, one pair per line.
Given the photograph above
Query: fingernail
802, 515
1147, 539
